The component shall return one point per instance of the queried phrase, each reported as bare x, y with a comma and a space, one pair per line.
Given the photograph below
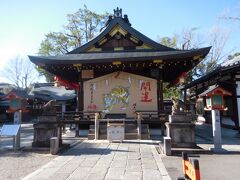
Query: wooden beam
160, 90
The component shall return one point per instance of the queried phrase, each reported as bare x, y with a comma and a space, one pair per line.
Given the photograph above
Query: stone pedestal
54, 145
46, 128
181, 130
167, 146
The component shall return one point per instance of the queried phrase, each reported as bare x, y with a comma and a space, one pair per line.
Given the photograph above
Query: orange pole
191, 169
185, 159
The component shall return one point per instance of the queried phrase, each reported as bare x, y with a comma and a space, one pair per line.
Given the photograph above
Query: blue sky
24, 23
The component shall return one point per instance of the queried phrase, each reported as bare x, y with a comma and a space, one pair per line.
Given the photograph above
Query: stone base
178, 151
182, 134
181, 118
47, 118
43, 133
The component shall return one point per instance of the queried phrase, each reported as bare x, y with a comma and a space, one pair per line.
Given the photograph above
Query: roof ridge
125, 24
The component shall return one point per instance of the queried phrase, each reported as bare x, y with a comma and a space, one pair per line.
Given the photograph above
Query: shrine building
121, 70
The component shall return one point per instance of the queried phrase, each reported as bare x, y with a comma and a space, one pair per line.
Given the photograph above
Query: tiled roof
231, 62
52, 93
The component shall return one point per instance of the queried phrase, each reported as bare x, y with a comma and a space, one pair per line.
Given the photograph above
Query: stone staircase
131, 131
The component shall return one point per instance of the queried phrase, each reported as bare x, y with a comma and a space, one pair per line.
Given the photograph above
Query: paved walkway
223, 166
98, 160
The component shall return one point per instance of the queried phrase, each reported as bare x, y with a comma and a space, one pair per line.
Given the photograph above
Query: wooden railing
75, 116
152, 115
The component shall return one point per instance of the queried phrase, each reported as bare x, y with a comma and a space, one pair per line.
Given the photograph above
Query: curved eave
88, 58
219, 71
129, 29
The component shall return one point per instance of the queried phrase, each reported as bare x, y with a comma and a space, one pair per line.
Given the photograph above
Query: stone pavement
98, 160
222, 166
230, 138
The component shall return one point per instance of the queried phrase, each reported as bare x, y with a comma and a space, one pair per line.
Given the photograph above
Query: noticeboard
10, 130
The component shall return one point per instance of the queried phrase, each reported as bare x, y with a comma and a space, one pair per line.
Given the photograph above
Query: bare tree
234, 18
20, 71
217, 38
231, 14
191, 39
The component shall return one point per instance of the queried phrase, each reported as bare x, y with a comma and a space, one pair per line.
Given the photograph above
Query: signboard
115, 131
10, 130
87, 74
17, 118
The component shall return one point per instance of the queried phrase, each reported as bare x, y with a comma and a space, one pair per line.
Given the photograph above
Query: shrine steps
131, 131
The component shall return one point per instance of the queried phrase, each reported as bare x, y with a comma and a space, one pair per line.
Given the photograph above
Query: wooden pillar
185, 96
160, 90
77, 109
80, 105
196, 92
78, 94
236, 103
62, 115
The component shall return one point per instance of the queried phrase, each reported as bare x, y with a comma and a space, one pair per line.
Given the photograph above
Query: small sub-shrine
120, 73
18, 104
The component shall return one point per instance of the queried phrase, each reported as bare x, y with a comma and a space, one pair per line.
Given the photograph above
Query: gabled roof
232, 65
231, 62
17, 93
38, 85
213, 89
123, 23
105, 57
5, 87
120, 47
47, 93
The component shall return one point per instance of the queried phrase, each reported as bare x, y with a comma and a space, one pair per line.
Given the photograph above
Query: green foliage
169, 42
55, 43
49, 77
169, 92
81, 27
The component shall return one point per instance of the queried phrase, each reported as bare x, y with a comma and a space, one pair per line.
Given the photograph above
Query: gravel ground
16, 165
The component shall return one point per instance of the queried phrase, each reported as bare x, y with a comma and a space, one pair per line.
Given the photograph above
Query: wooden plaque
87, 74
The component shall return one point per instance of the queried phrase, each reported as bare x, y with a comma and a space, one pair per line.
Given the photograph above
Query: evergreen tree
81, 27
